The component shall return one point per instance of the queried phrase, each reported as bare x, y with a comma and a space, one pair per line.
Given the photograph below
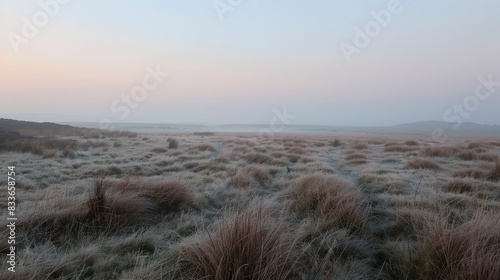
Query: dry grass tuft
495, 171
241, 180
259, 158
45, 147
438, 152
488, 157
360, 146
173, 143
331, 199
475, 173
247, 176
389, 144
296, 150
411, 143
358, 161
201, 148
355, 156
249, 245
117, 144
336, 143
474, 145
468, 251
458, 186
97, 202
159, 150
467, 155
495, 144
422, 164
398, 149
168, 196
110, 205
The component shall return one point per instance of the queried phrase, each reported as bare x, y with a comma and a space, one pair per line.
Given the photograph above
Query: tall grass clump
467, 251
411, 143
336, 143
168, 196
250, 245
259, 158
459, 186
201, 148
438, 151
398, 149
173, 143
45, 147
495, 171
360, 146
109, 206
422, 164
331, 199
467, 155
475, 173
159, 150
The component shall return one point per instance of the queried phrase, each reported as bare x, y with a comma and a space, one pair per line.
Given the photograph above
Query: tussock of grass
360, 146
495, 144
94, 144
355, 156
111, 205
411, 143
474, 145
468, 251
117, 144
259, 158
97, 202
241, 180
49, 154
467, 155
319, 144
398, 149
248, 245
459, 186
336, 143
159, 150
495, 171
475, 173
201, 148
173, 143
488, 157
438, 152
168, 196
358, 161
296, 150
249, 175
422, 164
45, 147
330, 198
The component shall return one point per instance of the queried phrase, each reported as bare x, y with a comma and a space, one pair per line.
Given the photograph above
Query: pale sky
77, 61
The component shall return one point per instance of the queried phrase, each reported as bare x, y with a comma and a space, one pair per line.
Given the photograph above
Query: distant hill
9, 128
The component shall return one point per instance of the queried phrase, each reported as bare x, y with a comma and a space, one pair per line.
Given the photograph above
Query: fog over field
254, 140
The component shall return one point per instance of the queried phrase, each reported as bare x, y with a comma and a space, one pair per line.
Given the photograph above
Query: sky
322, 62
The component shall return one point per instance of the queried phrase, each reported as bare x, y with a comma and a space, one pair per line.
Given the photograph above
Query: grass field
236, 206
